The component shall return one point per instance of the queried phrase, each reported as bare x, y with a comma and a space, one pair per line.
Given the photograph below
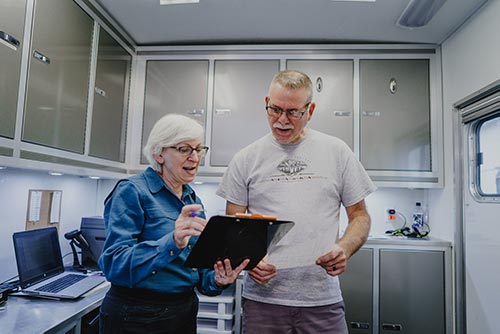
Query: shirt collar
155, 183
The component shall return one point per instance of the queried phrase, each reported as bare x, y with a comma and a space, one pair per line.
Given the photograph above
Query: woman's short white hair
170, 130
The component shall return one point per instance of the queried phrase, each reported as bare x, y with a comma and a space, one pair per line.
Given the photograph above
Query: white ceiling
280, 21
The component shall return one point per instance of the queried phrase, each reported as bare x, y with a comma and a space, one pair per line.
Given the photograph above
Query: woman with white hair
152, 221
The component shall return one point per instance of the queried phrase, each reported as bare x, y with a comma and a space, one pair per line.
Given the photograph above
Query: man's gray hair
293, 79
170, 130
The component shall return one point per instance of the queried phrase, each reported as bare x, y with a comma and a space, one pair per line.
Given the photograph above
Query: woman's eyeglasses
186, 150
274, 111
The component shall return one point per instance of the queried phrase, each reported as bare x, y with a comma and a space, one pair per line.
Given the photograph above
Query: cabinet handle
100, 91
360, 325
41, 57
196, 112
371, 113
340, 113
11, 41
392, 327
222, 112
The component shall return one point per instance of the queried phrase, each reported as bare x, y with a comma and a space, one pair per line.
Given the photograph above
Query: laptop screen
38, 255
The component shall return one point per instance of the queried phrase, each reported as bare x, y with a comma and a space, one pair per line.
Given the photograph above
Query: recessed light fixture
177, 2
198, 182
418, 13
3, 167
353, 0
56, 173
94, 177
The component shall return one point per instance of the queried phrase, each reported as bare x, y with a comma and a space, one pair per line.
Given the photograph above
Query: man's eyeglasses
186, 150
274, 111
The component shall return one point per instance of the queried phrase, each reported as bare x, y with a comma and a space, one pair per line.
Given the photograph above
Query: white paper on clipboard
300, 254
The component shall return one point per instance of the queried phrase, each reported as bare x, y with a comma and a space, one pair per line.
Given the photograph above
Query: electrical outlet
390, 215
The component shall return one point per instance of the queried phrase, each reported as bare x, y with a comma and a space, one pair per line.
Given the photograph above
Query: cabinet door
11, 37
239, 114
412, 292
58, 82
333, 93
109, 113
174, 86
395, 115
357, 290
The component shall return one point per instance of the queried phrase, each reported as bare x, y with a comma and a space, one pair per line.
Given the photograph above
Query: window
488, 156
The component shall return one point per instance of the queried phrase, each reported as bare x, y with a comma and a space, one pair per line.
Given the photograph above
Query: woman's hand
188, 224
225, 275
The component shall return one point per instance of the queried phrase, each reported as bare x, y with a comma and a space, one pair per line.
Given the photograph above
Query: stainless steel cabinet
12, 13
239, 115
357, 288
398, 290
174, 86
333, 82
58, 78
412, 292
108, 130
395, 114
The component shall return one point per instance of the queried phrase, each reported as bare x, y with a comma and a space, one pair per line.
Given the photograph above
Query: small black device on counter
92, 229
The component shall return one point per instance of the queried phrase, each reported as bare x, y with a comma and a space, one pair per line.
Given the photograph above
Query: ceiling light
94, 177
56, 173
419, 12
3, 167
177, 2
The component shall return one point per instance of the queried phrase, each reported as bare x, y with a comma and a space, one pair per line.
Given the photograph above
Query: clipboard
237, 238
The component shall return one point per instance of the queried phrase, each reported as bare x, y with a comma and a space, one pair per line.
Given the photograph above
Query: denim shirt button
172, 253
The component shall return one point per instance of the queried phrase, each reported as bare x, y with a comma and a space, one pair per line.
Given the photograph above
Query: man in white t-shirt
298, 174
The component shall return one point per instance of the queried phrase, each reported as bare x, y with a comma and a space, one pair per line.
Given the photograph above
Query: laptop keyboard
61, 283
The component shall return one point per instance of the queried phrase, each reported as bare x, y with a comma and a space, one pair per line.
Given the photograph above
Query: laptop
41, 270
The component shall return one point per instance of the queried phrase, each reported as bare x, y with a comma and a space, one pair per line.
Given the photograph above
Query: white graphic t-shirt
306, 182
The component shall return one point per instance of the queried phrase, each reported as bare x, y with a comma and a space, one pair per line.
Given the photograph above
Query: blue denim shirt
139, 251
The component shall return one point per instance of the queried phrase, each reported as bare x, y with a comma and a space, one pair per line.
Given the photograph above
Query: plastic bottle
418, 215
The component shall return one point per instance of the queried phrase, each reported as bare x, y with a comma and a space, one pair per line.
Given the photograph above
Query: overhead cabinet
333, 88
111, 91
12, 14
395, 124
58, 79
174, 87
239, 114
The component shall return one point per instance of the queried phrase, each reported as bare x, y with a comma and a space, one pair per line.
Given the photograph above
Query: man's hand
263, 272
334, 262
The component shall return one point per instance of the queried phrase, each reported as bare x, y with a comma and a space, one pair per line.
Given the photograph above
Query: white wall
470, 60
401, 199
79, 198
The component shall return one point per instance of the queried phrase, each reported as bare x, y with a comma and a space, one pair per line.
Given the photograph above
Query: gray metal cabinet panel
395, 114
174, 86
333, 82
107, 137
12, 14
357, 290
412, 292
58, 78
239, 115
